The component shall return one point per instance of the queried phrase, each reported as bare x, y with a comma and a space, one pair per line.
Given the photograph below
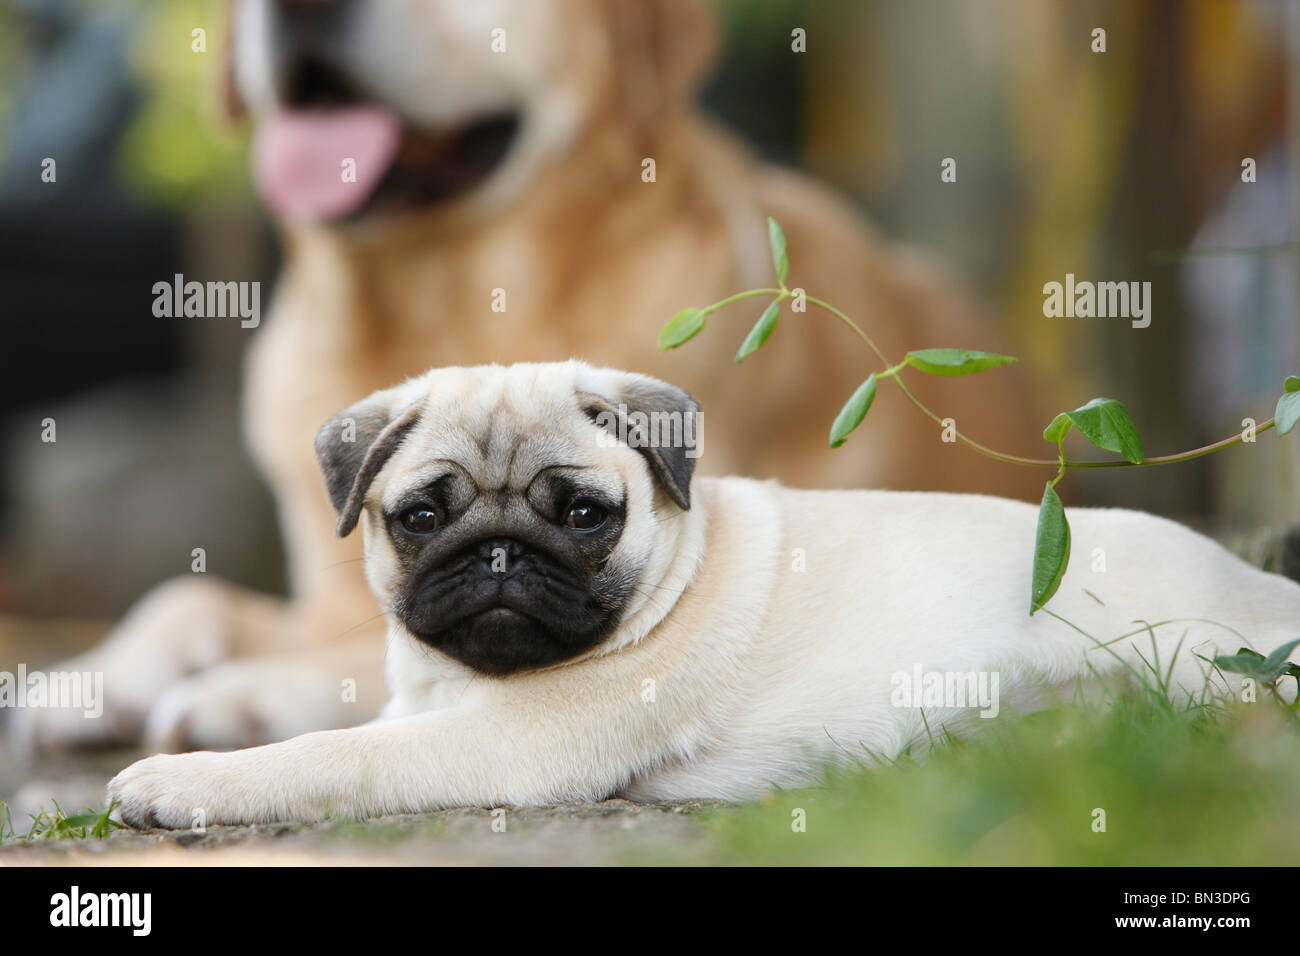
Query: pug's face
507, 525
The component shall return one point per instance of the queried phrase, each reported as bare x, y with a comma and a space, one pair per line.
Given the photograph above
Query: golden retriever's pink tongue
299, 159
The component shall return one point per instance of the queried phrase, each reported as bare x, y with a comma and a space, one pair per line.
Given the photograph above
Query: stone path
612, 832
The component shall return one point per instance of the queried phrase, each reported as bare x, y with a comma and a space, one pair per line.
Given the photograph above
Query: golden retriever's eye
585, 515
420, 519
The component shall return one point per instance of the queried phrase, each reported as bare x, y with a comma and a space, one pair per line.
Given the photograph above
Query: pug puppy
571, 616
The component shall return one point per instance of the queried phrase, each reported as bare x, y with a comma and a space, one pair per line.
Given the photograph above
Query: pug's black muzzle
501, 606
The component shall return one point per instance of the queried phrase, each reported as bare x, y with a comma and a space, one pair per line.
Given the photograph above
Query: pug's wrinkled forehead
499, 434
497, 428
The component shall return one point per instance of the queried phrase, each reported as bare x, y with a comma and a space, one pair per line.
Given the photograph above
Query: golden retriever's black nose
310, 81
299, 21
308, 38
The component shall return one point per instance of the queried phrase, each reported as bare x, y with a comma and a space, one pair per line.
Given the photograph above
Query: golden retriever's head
380, 109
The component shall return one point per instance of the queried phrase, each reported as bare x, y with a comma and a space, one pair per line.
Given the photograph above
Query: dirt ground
607, 833
612, 832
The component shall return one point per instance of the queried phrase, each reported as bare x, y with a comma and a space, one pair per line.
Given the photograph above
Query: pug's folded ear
354, 445
658, 420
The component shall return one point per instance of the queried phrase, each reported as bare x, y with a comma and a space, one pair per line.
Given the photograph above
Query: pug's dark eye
420, 519
585, 515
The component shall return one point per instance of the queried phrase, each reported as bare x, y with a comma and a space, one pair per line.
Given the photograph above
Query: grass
1200, 784
387, 833
59, 826
1127, 777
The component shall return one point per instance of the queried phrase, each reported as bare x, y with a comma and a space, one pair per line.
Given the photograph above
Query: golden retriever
460, 183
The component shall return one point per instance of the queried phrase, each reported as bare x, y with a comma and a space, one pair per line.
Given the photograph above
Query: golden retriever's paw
45, 729
105, 695
244, 704
180, 792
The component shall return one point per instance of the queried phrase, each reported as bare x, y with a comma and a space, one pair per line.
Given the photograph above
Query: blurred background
1123, 165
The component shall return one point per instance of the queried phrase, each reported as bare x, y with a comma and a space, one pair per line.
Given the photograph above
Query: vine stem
748, 294
1060, 463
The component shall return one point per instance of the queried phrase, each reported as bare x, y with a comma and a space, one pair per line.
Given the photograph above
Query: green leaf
955, 361
1107, 424
1051, 549
683, 327
1056, 431
776, 238
854, 410
1244, 657
81, 820
1256, 665
1278, 657
1245, 661
1288, 409
762, 329
1292, 383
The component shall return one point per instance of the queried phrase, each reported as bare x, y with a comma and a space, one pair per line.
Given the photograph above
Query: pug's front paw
182, 791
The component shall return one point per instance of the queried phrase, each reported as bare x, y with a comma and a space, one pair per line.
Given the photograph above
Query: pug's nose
501, 557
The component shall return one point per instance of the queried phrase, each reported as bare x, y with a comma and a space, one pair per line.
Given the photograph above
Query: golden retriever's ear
663, 50
228, 99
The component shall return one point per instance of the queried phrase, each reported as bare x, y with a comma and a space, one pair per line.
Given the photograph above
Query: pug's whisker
660, 587
339, 564
468, 684
368, 620
651, 599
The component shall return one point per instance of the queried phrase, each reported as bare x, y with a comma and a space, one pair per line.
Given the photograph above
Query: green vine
1105, 422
